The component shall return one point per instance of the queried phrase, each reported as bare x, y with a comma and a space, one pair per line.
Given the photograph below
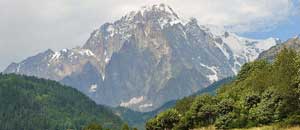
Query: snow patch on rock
145, 105
132, 101
55, 56
93, 88
86, 52
242, 49
212, 77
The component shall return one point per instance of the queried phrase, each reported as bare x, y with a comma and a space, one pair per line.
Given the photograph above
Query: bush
93, 126
165, 120
293, 120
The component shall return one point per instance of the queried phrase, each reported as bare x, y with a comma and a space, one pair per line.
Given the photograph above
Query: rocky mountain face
54, 65
146, 58
270, 54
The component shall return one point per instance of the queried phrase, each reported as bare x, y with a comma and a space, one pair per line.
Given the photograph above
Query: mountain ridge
292, 43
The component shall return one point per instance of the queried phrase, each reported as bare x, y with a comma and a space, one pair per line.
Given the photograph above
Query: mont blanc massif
146, 58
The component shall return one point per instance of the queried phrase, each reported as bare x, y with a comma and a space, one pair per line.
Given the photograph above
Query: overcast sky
31, 26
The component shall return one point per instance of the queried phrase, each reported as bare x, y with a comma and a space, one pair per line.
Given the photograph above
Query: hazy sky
31, 26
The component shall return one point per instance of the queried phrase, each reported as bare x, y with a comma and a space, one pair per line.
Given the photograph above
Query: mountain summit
146, 58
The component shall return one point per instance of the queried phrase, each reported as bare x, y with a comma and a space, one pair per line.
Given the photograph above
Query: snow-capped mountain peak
158, 8
146, 58
161, 9
161, 13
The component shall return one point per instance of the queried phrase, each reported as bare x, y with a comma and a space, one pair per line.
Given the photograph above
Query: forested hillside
263, 93
29, 103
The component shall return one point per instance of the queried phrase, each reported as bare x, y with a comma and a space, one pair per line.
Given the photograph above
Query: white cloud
239, 15
31, 26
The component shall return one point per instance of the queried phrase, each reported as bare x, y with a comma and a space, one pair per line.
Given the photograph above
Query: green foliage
93, 126
164, 121
293, 119
152, 124
30, 103
168, 118
263, 93
203, 111
125, 127
184, 105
